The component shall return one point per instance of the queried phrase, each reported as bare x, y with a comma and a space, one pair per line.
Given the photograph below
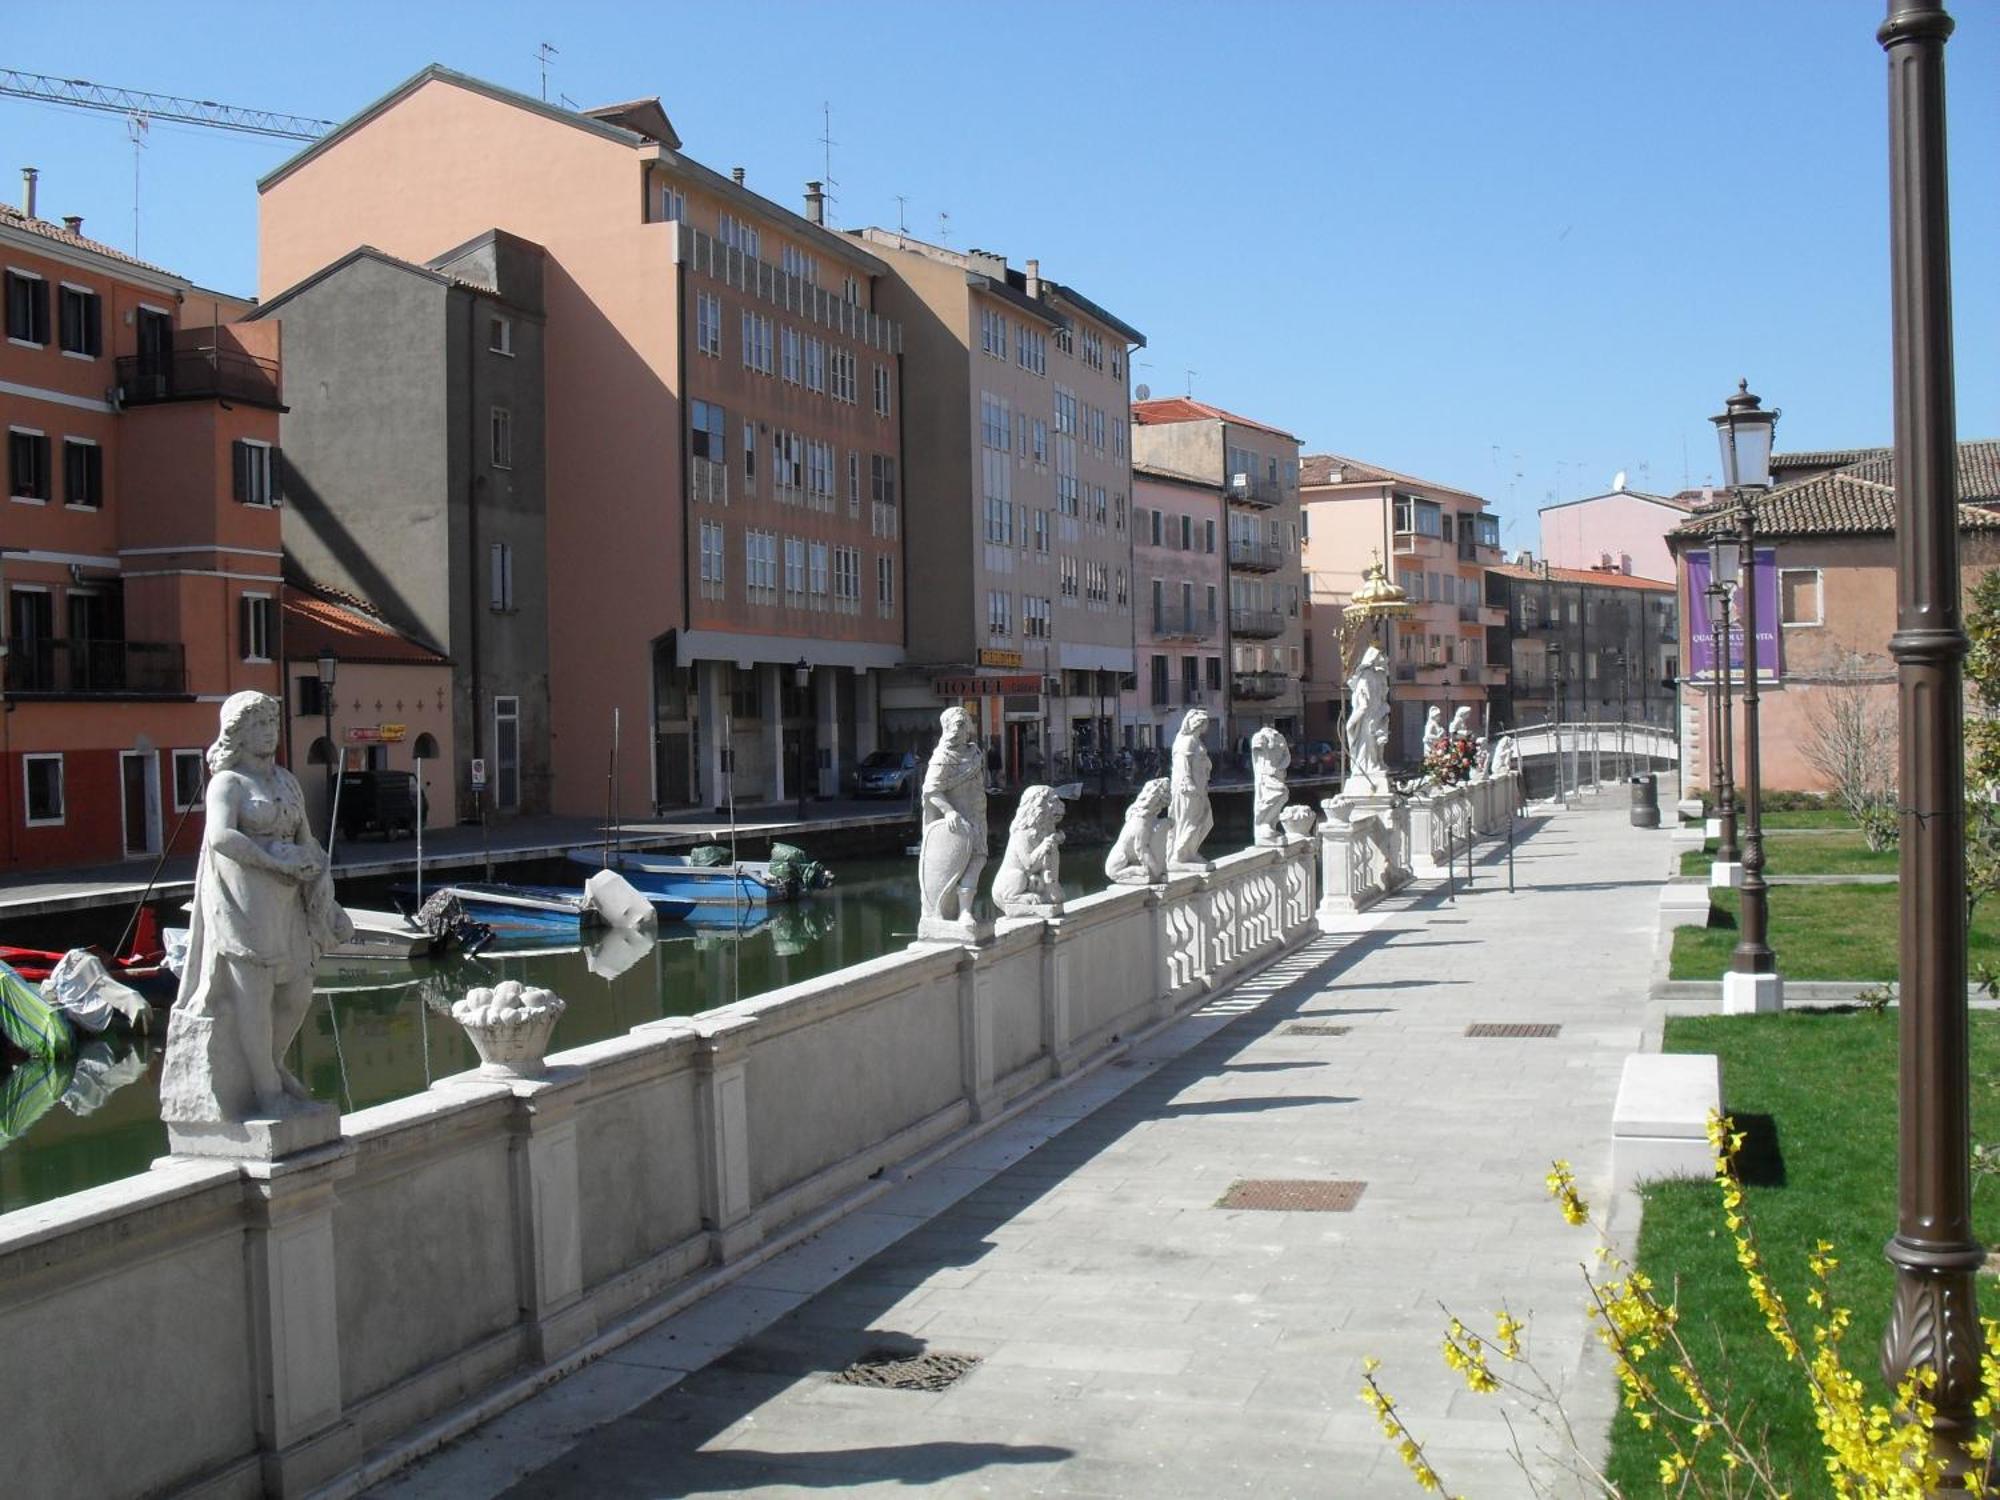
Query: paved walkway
1135, 1338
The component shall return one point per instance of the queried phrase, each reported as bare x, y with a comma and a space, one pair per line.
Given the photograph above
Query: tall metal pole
1935, 1318
1726, 851
1753, 952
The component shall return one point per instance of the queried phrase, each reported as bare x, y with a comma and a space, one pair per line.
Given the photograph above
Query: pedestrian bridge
1598, 745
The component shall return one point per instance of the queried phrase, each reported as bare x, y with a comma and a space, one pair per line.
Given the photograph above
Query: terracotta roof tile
1319, 469
317, 617
1183, 409
1582, 575
12, 218
1860, 499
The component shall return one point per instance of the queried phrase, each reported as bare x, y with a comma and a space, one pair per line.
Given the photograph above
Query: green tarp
28, 1022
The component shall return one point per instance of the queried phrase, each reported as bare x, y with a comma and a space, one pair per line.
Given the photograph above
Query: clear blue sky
1514, 247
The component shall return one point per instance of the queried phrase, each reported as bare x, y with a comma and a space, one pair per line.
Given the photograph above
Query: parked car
886, 773
1314, 758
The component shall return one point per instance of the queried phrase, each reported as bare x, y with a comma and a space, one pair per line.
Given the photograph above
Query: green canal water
383, 1031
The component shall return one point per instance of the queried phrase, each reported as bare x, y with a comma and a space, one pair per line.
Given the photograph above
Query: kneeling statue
1027, 884
1139, 857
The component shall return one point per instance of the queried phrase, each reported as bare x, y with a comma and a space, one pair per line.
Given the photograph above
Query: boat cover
29, 1092
29, 1023
83, 990
617, 903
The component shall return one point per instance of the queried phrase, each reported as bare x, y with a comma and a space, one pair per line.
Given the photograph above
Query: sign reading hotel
985, 687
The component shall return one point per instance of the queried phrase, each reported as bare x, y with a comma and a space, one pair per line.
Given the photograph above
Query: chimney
815, 203
736, 176
28, 176
73, 223
1035, 279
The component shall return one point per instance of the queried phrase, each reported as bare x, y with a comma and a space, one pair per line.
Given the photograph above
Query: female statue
263, 913
1367, 724
1189, 810
1139, 857
1433, 730
1270, 758
953, 849
1027, 883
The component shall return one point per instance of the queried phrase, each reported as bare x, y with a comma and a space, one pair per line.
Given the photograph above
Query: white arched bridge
1594, 752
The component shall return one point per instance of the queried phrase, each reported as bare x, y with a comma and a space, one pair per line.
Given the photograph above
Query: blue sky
1507, 246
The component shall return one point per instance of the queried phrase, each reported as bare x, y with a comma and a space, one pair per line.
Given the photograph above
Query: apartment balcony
1424, 671
1254, 557
197, 375
1468, 614
92, 669
1256, 624
1254, 489
1416, 544
708, 481
1259, 685
1183, 625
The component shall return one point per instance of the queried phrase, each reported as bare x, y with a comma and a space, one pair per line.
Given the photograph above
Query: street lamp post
1744, 431
1935, 1318
328, 667
1722, 583
802, 676
1554, 653
1624, 718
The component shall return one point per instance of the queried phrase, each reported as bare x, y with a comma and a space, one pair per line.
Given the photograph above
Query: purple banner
1701, 625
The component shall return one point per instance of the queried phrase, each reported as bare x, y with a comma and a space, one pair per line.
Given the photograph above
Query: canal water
384, 1031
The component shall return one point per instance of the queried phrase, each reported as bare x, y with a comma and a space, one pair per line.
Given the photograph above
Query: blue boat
671, 879
534, 911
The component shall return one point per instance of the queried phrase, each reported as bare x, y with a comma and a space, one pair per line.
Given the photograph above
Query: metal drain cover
1298, 1195
1514, 1028
933, 1370
1316, 1028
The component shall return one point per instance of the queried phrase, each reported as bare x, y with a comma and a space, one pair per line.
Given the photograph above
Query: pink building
1621, 531
1181, 576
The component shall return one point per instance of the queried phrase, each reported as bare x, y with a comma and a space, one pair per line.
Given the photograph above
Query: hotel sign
992, 656
985, 687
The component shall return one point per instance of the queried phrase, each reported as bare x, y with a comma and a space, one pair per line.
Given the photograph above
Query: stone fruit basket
509, 1025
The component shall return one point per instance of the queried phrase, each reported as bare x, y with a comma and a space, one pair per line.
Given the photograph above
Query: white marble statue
1506, 757
263, 913
1188, 808
1368, 725
1433, 730
953, 850
1270, 758
1139, 856
1297, 821
1461, 723
1027, 884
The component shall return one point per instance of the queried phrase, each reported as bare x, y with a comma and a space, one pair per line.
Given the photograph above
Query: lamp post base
1752, 994
1711, 828
1725, 875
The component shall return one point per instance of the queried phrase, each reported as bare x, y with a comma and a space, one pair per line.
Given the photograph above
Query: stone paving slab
1135, 1339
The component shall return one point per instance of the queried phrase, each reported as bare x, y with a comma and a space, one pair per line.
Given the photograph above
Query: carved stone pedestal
312, 1124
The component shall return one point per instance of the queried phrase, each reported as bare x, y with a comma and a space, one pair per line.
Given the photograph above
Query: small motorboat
606, 900
709, 878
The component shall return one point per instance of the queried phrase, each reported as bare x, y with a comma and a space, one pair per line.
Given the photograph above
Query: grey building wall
1594, 624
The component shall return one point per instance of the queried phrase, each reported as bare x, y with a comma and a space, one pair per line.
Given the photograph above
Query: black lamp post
1935, 1319
1744, 432
328, 667
1721, 584
802, 676
1554, 653
1624, 716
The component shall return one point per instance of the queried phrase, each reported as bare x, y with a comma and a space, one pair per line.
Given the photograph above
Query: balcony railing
1254, 557
1257, 624
195, 375
1170, 623
66, 669
709, 480
1260, 684
1254, 489
1468, 614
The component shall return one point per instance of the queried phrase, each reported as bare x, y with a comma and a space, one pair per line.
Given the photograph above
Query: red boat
145, 960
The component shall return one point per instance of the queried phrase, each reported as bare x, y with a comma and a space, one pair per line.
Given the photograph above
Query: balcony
1171, 624
1254, 557
1259, 685
197, 375
90, 669
1256, 624
1468, 614
708, 481
1254, 489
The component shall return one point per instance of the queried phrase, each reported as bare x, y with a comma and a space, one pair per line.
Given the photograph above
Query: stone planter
510, 1026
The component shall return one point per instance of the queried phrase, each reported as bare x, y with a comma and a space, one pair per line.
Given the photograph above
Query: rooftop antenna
827, 143
1190, 383
902, 222
136, 126
566, 101
944, 227
543, 53
1684, 460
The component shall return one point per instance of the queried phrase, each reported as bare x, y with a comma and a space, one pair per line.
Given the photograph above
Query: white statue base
1752, 994
1725, 875
310, 1124
1360, 787
1711, 828
975, 930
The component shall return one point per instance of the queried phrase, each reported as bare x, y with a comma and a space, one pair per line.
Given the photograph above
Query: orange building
141, 550
721, 442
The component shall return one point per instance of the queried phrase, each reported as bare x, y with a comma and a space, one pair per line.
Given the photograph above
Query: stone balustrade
1373, 846
289, 1324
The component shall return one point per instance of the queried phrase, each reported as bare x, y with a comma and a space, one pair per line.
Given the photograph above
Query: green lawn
1832, 853
1821, 932
1820, 1163
1811, 817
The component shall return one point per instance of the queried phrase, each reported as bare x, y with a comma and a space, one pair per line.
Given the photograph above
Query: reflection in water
384, 1031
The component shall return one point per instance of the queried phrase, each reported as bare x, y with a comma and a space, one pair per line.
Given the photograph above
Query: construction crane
82, 94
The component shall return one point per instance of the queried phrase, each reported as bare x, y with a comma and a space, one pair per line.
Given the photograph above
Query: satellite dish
1618, 480
1144, 393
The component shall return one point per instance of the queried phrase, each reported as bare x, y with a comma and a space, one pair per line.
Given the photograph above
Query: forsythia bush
1871, 1452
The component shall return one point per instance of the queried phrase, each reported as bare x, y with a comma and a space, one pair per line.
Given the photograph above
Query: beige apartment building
724, 492
1256, 469
1019, 512
1437, 543
1180, 571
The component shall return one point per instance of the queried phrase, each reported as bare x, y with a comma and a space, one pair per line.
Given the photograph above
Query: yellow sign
989, 657
393, 734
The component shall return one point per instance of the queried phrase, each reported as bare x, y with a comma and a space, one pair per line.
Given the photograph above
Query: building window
745, 702
500, 336
190, 770
993, 332
846, 383
705, 431
788, 344
815, 364
853, 483
500, 579
847, 580
798, 263
999, 612
708, 324
502, 430
253, 626
44, 778
82, 328
27, 464
1799, 601
256, 470
1035, 616
737, 235
885, 585
756, 329
1160, 698
816, 581
27, 308
673, 203
1032, 349
882, 391
711, 560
